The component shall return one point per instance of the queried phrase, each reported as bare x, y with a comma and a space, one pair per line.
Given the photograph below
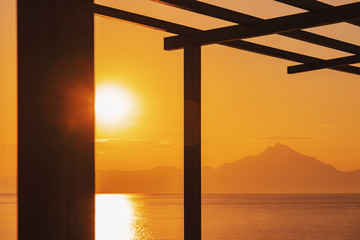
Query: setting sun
113, 104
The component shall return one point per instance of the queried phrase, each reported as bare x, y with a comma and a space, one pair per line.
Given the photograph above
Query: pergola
56, 98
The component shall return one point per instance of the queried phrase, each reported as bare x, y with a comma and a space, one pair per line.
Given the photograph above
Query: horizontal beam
286, 55
145, 21
313, 5
243, 19
180, 29
270, 26
324, 64
210, 10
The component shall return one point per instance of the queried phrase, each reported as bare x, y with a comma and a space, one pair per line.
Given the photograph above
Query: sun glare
113, 217
113, 104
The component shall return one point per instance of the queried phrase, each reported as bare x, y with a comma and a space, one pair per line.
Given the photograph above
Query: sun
113, 104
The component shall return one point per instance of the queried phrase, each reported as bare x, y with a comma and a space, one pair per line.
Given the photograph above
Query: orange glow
249, 102
113, 104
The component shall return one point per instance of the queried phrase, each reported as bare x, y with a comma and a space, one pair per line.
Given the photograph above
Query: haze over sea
225, 216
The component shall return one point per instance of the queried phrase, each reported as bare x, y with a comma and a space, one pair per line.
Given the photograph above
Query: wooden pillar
55, 120
192, 142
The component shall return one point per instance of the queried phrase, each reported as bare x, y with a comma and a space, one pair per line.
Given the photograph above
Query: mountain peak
279, 145
280, 149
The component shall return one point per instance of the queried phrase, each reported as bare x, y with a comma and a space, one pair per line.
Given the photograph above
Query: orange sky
249, 102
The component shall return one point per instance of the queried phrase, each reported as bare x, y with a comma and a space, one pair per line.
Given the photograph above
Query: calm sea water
238, 216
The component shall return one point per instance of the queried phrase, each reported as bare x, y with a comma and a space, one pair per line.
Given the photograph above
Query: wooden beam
210, 10
192, 141
313, 5
282, 54
184, 30
56, 186
145, 21
270, 26
324, 64
243, 19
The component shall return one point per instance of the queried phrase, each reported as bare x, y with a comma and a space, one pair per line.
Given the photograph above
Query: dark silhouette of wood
313, 5
192, 142
282, 54
270, 26
239, 44
244, 19
55, 120
324, 64
145, 21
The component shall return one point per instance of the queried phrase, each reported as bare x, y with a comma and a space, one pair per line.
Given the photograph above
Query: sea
224, 216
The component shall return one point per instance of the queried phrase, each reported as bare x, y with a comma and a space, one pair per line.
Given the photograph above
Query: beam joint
166, 26
313, 5
270, 26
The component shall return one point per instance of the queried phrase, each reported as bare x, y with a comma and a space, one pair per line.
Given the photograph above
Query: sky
248, 100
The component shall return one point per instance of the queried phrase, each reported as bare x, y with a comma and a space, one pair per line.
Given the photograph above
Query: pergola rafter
324, 64
243, 19
313, 5
175, 28
270, 26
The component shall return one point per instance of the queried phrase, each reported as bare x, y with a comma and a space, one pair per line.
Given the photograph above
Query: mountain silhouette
278, 169
281, 169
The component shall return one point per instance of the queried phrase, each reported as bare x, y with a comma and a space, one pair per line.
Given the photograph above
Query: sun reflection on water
114, 217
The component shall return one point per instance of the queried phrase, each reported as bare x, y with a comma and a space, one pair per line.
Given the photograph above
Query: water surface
225, 216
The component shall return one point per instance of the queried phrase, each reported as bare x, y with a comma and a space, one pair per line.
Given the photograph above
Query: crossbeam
165, 26
313, 5
145, 21
270, 26
283, 54
243, 19
324, 64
